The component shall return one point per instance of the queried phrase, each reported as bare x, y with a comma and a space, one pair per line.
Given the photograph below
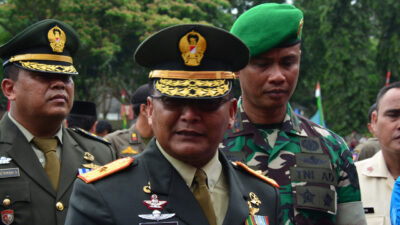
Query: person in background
313, 166
83, 115
103, 128
378, 173
132, 141
39, 157
181, 177
371, 146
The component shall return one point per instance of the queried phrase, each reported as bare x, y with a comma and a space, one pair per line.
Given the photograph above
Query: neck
40, 127
143, 127
392, 160
264, 116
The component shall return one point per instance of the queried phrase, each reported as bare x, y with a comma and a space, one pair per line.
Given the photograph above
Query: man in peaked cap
181, 177
39, 158
132, 141
83, 115
312, 165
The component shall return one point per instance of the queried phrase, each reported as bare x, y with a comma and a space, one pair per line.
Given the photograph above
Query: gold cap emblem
192, 47
57, 39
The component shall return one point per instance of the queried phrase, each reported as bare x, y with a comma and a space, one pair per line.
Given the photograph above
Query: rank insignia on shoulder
106, 170
90, 135
256, 173
129, 150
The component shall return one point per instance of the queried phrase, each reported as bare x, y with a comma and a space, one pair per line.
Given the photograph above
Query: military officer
181, 178
129, 142
312, 164
39, 157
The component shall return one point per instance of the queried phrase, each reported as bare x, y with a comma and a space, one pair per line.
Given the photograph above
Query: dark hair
383, 91
11, 71
81, 121
370, 111
103, 125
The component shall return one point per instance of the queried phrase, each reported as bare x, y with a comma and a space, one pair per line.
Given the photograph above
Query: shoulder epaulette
90, 135
259, 175
106, 170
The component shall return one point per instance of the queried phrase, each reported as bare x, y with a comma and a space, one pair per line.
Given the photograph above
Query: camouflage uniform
312, 165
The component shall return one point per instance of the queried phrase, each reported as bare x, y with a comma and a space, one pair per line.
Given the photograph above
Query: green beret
192, 60
268, 26
46, 46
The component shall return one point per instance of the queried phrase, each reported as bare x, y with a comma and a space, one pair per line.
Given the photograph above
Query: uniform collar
28, 135
213, 169
243, 126
377, 167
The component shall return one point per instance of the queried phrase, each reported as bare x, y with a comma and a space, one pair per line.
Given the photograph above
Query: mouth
59, 98
189, 133
276, 92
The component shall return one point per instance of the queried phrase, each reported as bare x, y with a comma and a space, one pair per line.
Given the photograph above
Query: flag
387, 78
318, 117
124, 122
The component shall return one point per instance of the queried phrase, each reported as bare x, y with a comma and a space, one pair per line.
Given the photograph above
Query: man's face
39, 95
190, 130
387, 121
269, 80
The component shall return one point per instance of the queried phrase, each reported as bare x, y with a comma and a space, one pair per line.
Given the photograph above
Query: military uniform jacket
118, 198
312, 165
376, 183
25, 183
126, 142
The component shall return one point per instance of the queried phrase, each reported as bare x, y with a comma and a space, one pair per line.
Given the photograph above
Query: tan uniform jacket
126, 142
376, 185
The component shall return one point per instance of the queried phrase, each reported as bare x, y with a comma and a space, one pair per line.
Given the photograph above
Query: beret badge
57, 39
192, 46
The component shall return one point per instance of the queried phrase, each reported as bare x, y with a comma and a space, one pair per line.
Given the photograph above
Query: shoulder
80, 133
107, 170
117, 133
258, 175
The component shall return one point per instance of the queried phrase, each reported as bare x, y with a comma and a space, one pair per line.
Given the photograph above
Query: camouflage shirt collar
243, 126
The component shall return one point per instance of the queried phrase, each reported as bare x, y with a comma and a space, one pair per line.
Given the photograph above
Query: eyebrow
396, 111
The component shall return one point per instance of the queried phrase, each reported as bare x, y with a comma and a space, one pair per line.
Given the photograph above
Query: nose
60, 82
275, 75
190, 113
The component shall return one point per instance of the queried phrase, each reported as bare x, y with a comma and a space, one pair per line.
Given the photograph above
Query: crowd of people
194, 153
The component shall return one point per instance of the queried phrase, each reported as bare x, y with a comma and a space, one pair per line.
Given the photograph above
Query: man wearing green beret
181, 177
313, 166
39, 157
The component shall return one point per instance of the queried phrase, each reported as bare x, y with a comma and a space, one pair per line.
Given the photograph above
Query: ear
149, 110
7, 86
143, 110
374, 121
232, 112
93, 128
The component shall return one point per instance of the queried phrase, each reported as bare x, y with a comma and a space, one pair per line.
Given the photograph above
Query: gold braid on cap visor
45, 67
193, 88
193, 83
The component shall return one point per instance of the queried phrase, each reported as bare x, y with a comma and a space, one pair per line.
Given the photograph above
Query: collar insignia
192, 47
57, 39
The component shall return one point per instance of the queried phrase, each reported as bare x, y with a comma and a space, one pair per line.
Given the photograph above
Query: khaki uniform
376, 184
126, 142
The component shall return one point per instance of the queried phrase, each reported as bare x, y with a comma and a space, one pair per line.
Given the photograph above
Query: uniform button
59, 206
6, 202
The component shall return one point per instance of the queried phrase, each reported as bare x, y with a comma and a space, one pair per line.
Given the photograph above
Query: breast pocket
15, 202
